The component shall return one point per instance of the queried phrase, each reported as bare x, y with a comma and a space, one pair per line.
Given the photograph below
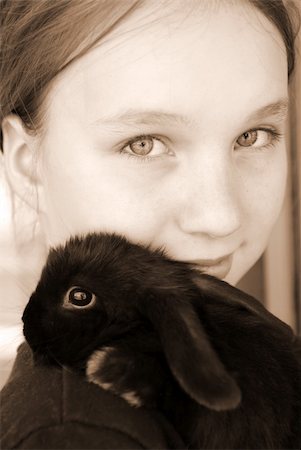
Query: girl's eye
144, 146
248, 138
257, 138
79, 298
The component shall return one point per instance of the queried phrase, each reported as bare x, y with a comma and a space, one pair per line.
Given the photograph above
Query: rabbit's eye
79, 298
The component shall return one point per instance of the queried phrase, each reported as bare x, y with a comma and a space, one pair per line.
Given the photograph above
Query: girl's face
169, 133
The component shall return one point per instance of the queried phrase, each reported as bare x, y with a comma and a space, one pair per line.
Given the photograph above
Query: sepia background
274, 280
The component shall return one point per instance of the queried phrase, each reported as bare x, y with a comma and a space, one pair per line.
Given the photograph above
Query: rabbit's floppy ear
216, 290
190, 356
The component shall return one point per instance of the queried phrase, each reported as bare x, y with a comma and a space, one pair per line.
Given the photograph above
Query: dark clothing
53, 408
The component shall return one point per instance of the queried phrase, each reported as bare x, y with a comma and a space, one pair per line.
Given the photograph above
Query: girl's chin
234, 277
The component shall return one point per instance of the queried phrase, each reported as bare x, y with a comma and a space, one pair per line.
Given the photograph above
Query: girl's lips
217, 267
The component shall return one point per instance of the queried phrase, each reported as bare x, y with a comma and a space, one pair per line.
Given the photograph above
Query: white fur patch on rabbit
93, 371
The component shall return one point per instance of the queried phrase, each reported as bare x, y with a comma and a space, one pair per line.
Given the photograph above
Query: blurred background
274, 280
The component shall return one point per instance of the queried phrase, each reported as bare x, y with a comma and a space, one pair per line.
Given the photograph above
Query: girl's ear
20, 160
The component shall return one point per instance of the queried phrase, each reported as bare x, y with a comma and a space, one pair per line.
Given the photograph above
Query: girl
161, 121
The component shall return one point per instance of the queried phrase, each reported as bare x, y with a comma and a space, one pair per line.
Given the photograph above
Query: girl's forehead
212, 52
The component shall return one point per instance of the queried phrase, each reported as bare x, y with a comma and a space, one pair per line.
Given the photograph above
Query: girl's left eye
257, 138
144, 146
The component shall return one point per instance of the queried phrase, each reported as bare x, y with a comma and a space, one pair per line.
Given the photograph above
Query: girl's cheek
263, 181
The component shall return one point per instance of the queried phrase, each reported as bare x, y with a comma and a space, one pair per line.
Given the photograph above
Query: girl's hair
41, 38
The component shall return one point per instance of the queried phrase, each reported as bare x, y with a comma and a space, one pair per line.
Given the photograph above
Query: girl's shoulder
53, 408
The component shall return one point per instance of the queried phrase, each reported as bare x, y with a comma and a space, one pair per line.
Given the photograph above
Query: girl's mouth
219, 267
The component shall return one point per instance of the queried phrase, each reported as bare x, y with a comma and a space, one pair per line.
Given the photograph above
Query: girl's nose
210, 200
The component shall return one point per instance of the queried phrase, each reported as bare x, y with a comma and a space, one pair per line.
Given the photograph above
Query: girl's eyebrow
278, 109
132, 117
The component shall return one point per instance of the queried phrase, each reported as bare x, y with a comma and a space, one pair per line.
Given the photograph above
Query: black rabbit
225, 371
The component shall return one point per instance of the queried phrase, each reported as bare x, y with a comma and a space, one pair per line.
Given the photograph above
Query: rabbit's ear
215, 290
190, 356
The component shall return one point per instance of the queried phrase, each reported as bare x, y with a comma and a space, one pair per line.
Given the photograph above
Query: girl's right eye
77, 297
145, 146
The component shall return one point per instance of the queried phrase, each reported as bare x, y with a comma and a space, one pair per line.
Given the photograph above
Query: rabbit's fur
222, 369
